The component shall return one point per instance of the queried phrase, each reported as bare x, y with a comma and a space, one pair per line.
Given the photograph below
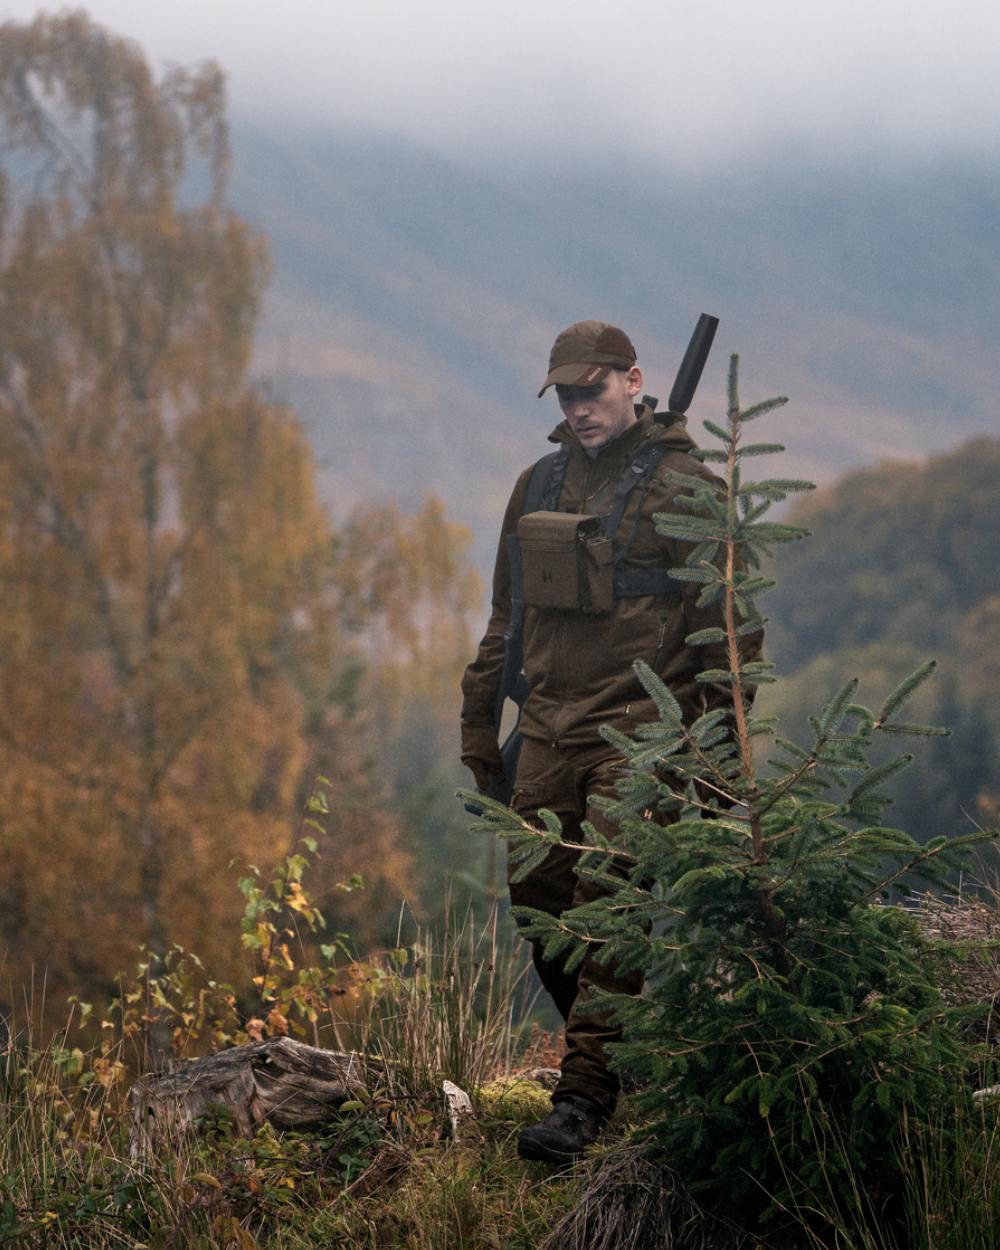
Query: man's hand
481, 755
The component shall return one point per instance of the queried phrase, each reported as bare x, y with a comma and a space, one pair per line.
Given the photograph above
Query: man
614, 465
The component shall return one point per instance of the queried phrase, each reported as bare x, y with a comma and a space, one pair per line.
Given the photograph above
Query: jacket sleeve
481, 681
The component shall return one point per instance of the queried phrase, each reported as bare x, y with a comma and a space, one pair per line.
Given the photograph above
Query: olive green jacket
579, 665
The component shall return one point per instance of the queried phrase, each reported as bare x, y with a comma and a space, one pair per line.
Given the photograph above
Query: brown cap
585, 351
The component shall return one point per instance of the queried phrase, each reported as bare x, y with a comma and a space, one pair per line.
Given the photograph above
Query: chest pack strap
545, 487
634, 583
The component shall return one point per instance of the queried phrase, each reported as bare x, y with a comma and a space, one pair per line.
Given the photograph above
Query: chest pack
572, 560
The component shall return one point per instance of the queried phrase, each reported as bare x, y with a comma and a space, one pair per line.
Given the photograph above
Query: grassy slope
67, 1181
387, 1177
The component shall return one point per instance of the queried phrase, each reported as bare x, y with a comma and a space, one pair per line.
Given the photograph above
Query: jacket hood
673, 434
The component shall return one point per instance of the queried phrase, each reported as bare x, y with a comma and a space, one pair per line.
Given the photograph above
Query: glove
481, 755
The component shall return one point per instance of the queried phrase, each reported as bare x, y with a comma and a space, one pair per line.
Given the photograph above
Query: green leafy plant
278, 918
293, 976
790, 1003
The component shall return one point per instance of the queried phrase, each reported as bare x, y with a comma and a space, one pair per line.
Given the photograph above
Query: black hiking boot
565, 1133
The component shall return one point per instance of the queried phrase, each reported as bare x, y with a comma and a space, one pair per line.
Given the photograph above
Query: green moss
515, 1098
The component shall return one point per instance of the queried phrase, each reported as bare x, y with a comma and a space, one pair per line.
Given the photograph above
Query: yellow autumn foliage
178, 610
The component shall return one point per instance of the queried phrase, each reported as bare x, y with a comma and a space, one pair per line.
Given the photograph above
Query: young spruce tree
790, 1022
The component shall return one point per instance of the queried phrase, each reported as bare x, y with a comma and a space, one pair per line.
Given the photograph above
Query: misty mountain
414, 298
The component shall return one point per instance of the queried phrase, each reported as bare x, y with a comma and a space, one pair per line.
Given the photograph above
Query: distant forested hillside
902, 566
414, 298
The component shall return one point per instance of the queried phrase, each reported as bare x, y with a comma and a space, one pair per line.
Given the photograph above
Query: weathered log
281, 1081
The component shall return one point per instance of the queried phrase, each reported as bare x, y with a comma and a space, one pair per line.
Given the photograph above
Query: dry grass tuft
971, 973
631, 1203
392, 1162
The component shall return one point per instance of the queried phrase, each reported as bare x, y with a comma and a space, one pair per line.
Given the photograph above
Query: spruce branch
765, 406
921, 731
876, 776
781, 485
925, 862
761, 449
666, 703
904, 691
733, 384
504, 822
835, 711
717, 430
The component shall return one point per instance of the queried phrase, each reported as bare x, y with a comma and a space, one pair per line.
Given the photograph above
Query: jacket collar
675, 435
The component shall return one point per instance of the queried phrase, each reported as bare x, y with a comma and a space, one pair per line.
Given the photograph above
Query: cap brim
575, 375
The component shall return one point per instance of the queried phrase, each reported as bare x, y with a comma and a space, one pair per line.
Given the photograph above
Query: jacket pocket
526, 797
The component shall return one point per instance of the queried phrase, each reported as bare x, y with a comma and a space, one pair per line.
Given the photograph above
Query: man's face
597, 414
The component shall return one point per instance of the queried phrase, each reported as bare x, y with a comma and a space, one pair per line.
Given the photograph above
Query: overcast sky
694, 81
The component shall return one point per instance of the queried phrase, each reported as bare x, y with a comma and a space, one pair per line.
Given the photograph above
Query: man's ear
633, 382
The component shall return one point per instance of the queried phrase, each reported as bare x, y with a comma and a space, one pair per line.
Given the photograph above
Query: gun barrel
689, 374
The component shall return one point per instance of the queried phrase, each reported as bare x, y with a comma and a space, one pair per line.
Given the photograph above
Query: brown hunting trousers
567, 781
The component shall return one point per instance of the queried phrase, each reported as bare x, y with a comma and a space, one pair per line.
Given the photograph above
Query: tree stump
281, 1081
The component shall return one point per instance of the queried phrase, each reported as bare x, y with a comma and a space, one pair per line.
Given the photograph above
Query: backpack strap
545, 483
542, 494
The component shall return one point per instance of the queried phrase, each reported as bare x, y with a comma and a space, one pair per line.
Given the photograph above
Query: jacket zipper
659, 642
585, 492
560, 680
